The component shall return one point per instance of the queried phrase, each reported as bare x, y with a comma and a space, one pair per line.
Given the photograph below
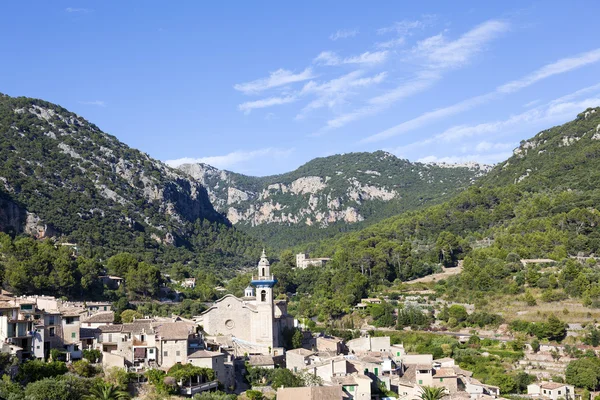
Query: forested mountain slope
562, 157
62, 176
541, 203
330, 194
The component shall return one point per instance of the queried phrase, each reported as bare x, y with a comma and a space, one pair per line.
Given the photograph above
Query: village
238, 334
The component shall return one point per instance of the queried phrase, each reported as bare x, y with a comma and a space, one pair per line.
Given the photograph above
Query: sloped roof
261, 360
300, 351
347, 380
551, 385
138, 326
71, 311
205, 354
311, 393
104, 317
110, 328
444, 373
174, 330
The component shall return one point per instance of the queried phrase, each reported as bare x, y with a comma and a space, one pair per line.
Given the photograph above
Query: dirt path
442, 275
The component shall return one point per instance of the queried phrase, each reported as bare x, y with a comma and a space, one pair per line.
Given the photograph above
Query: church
252, 324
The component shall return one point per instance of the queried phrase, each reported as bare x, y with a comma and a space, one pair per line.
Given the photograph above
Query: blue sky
262, 87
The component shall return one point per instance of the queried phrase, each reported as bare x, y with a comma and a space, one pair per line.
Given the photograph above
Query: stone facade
303, 261
254, 324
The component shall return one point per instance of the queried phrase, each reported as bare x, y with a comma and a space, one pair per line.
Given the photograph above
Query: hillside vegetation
61, 176
515, 212
329, 195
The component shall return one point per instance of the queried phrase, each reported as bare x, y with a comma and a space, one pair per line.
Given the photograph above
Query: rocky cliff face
344, 189
67, 175
562, 157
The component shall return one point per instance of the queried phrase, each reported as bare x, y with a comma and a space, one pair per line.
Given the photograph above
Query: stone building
254, 323
303, 261
551, 390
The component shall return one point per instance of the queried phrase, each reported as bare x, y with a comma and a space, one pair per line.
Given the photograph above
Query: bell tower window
263, 295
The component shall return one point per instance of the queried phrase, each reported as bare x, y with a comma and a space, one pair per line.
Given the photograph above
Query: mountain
328, 195
62, 176
542, 203
562, 157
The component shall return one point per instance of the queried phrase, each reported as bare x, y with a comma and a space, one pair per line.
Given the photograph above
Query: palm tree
106, 391
432, 393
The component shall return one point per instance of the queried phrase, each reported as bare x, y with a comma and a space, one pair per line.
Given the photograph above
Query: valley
494, 267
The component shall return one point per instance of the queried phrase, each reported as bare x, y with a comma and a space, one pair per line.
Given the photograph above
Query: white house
551, 390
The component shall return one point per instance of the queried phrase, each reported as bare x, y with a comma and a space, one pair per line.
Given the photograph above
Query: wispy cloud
531, 103
402, 29
330, 58
427, 117
343, 34
438, 55
558, 67
379, 103
234, 158
248, 106
275, 79
328, 94
388, 44
99, 103
334, 92
468, 104
77, 10
439, 52
555, 111
422, 81
405, 27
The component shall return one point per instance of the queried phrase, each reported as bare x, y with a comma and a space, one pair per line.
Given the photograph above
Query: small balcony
198, 388
268, 280
141, 343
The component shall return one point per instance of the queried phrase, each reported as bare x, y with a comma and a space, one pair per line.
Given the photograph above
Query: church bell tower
264, 282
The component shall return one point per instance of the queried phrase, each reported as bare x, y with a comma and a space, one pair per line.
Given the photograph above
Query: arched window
263, 272
263, 295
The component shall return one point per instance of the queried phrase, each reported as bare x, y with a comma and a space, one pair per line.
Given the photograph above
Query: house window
73, 335
51, 332
441, 379
398, 354
544, 391
151, 351
104, 308
420, 381
351, 388
166, 353
177, 353
51, 320
559, 392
